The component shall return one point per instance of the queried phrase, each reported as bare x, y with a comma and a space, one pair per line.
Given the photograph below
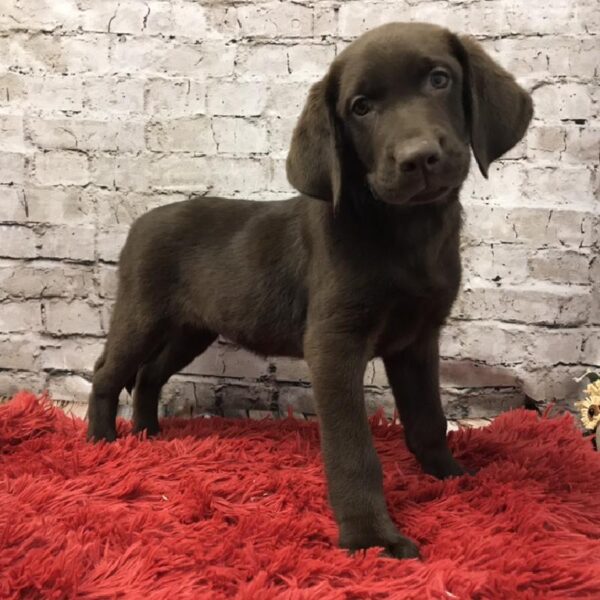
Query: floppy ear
314, 161
499, 109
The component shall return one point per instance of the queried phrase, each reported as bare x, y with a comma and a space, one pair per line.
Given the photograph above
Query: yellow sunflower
590, 407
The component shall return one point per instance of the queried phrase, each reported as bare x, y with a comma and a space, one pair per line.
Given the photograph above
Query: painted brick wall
110, 108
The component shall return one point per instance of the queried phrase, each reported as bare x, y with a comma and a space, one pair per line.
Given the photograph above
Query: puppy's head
397, 113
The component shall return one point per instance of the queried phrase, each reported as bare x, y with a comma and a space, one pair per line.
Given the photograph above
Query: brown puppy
373, 271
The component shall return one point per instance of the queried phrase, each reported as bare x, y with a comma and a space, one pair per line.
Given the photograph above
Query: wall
110, 108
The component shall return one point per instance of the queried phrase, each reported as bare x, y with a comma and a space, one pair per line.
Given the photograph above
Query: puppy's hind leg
178, 352
130, 340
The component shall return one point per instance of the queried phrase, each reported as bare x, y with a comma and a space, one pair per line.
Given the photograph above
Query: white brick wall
110, 108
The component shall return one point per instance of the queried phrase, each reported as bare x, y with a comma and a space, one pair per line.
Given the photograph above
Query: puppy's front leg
413, 375
353, 470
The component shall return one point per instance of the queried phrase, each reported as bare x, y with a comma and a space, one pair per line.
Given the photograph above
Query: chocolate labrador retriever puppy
364, 263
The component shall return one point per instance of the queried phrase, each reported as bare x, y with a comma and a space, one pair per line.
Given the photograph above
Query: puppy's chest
415, 301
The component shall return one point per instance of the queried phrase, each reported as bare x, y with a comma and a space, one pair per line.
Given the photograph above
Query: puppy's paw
404, 548
152, 428
360, 534
442, 465
96, 433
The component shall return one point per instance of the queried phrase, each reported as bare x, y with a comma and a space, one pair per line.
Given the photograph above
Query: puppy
364, 263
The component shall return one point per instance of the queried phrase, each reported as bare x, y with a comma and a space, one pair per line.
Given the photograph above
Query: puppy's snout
418, 155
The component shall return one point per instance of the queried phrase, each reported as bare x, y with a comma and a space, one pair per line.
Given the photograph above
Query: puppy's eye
360, 106
439, 79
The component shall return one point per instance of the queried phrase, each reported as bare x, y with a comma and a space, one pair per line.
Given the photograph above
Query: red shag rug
220, 508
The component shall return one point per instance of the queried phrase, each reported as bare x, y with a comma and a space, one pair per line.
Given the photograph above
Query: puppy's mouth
430, 195
427, 195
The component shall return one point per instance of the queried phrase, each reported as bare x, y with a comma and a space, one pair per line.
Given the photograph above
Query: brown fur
365, 263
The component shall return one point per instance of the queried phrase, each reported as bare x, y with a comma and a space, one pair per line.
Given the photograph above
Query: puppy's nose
418, 155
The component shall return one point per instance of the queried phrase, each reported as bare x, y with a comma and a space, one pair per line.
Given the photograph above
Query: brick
324, 20
43, 15
240, 363
470, 374
222, 22
544, 304
107, 277
12, 138
70, 388
298, 398
189, 398
595, 278
275, 19
209, 363
106, 311
12, 382
129, 172
175, 97
568, 185
581, 144
236, 99
563, 101
72, 134
138, 55
75, 317
218, 174
537, 227
62, 241
181, 20
112, 16
562, 56
506, 263
560, 266
66, 281
20, 316
292, 370
54, 92
308, 63
286, 99
42, 279
503, 186
181, 135
595, 308
280, 136
17, 242
42, 53
235, 399
234, 135
13, 90
12, 167
357, 17
122, 208
505, 344
546, 142
549, 20
70, 354
550, 383
19, 352
261, 62
113, 95
152, 55
591, 351
12, 205
60, 167
57, 205
103, 169
110, 242
278, 178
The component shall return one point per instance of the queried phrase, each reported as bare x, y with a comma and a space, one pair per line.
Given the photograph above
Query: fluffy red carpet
236, 509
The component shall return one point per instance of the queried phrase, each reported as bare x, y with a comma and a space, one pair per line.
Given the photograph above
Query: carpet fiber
218, 508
